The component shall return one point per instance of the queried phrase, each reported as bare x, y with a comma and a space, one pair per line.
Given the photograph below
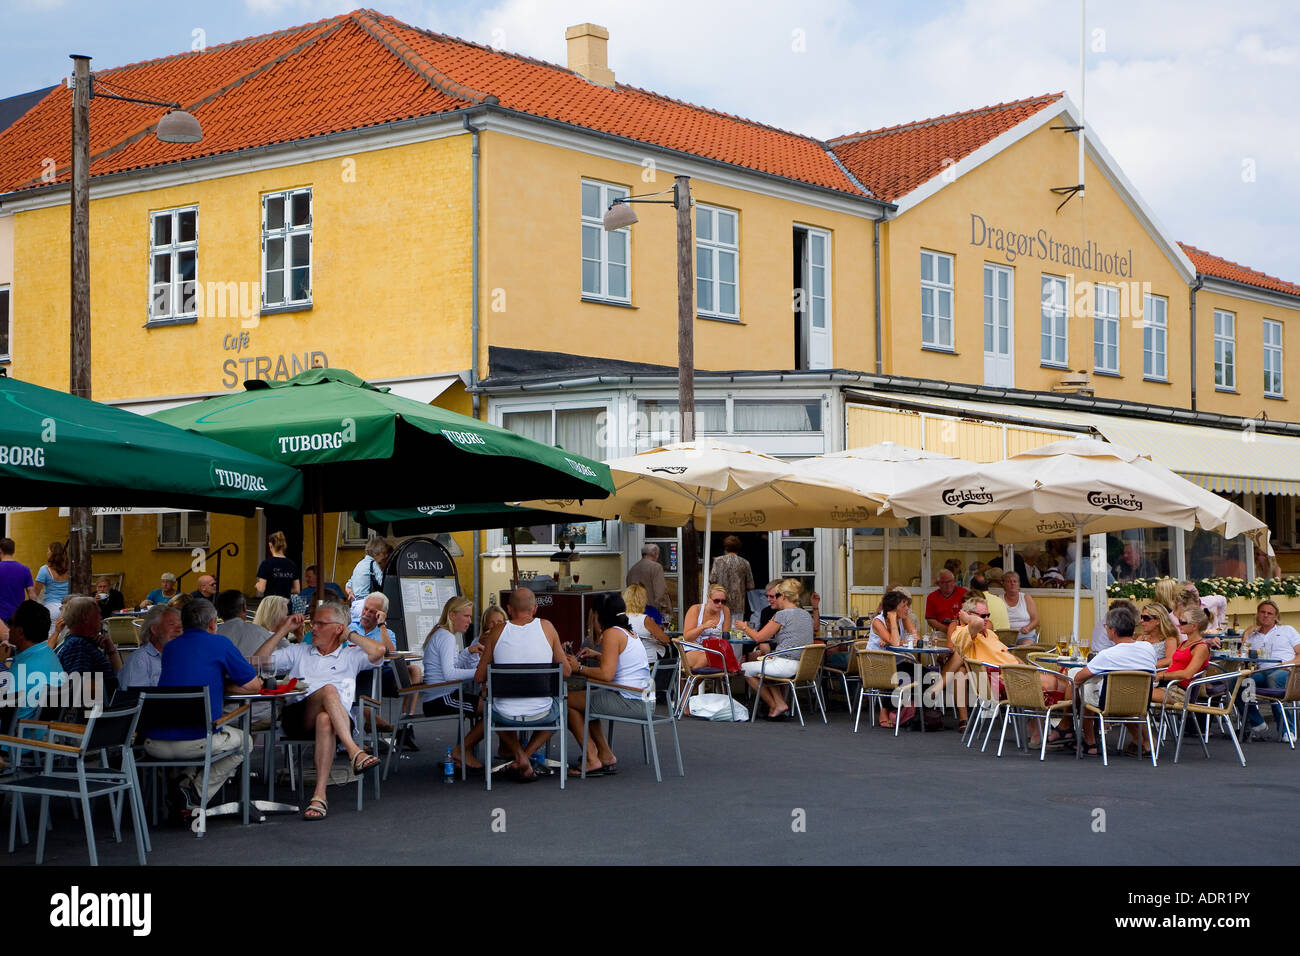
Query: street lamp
176, 126
620, 215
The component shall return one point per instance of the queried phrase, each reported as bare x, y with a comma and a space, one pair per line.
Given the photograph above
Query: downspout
1192, 332
475, 398
879, 329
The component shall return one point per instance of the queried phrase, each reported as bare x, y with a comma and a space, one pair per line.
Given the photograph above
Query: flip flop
318, 806
598, 772
518, 776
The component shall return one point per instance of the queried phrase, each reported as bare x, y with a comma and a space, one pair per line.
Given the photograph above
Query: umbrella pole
318, 531
514, 560
708, 536
1078, 574
884, 574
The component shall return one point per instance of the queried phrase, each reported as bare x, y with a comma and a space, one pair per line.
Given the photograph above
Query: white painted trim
1064, 109
1262, 296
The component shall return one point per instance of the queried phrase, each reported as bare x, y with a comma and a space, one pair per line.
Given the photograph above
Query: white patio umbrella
1076, 486
707, 480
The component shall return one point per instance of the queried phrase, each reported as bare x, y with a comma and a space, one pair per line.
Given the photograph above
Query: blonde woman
644, 628
791, 626
708, 624
277, 574
1167, 593
440, 667
1156, 625
271, 613
1190, 656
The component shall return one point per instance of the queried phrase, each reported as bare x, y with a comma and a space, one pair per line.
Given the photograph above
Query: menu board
419, 580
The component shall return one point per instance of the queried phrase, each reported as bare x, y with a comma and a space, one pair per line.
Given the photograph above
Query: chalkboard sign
419, 579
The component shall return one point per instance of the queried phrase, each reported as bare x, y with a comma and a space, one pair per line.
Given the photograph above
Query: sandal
1057, 738
363, 761
1091, 750
317, 809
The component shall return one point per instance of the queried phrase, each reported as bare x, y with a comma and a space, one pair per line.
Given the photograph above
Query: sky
1196, 100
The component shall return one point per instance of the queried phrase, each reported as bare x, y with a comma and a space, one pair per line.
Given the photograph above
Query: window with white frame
183, 529
606, 273
173, 264
576, 430
660, 421
286, 249
108, 533
717, 262
1225, 350
1155, 334
1105, 329
4, 321
1273, 358
1055, 321
354, 536
936, 300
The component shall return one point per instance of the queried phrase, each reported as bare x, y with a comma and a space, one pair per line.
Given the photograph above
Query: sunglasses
771, 597
1147, 617
985, 616
718, 601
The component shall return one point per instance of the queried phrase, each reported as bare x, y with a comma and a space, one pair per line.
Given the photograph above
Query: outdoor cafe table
301, 691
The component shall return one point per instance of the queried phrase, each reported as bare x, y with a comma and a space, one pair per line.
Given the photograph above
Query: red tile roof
1211, 265
893, 161
364, 69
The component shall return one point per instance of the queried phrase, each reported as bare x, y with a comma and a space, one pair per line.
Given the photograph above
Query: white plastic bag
717, 707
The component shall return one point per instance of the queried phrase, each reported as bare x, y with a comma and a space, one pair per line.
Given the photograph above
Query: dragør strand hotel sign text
1044, 246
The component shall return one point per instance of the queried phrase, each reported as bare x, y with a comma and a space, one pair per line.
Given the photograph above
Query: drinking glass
1061, 645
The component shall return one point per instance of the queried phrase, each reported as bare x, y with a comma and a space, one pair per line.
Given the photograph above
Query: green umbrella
58, 449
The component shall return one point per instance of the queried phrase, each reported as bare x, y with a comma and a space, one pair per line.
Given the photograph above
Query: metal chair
987, 702
1126, 699
1025, 698
405, 690
366, 737
701, 675
647, 723
505, 681
878, 672
810, 662
97, 738
1282, 698
1195, 703
848, 672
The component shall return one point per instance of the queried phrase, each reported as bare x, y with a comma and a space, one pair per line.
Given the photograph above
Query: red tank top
1183, 657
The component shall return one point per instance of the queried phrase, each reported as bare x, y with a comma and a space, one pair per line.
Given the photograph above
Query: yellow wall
1012, 192
1247, 400
532, 267
6, 249
391, 274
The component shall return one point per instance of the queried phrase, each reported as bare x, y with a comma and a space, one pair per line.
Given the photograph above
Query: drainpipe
1192, 332
879, 333
475, 398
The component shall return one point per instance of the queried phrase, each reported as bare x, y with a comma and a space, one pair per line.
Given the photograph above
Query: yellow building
431, 220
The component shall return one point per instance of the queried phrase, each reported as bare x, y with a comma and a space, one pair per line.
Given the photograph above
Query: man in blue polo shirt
200, 657
35, 669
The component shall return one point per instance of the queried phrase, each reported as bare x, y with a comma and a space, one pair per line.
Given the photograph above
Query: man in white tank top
523, 639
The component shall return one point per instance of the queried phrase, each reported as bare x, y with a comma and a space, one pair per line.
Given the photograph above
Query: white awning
1219, 459
423, 390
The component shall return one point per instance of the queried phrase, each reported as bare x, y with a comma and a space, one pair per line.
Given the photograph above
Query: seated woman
1188, 659
791, 626
440, 665
892, 621
1022, 612
622, 661
644, 628
708, 624
1156, 626
271, 612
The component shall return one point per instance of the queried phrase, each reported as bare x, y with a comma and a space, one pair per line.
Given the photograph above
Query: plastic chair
810, 661
1025, 698
878, 672
1126, 700
647, 723
506, 681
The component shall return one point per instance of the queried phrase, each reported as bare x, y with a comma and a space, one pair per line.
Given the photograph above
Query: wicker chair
877, 671
1284, 697
1196, 703
1128, 701
987, 703
1008, 636
1029, 653
1025, 698
700, 675
849, 672
810, 662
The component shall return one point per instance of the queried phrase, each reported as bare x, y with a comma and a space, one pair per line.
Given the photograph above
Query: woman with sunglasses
1155, 625
791, 626
708, 624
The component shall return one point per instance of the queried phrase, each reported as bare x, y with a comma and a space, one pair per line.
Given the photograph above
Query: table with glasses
277, 700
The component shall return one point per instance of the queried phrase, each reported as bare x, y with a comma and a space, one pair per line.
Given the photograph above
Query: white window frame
99, 542
353, 536
1155, 332
1054, 326
286, 233
1004, 376
177, 305
1225, 350
596, 225
1273, 369
1105, 327
937, 288
6, 311
183, 539
714, 251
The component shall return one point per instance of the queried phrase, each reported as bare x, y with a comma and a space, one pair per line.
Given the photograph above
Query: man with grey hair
144, 667
200, 657
649, 573
329, 665
87, 649
1125, 654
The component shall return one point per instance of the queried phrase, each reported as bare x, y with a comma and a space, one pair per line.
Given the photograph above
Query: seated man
942, 605
374, 625
144, 667
244, 634
309, 583
1125, 654
35, 669
523, 639
329, 665
205, 587
200, 657
88, 650
110, 598
163, 593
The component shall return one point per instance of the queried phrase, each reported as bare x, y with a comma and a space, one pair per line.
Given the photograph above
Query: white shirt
1277, 644
307, 663
1129, 656
142, 669
440, 664
522, 644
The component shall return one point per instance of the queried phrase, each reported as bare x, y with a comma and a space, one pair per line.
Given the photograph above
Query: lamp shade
177, 126
620, 214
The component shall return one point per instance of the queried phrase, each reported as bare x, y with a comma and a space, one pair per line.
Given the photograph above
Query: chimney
588, 56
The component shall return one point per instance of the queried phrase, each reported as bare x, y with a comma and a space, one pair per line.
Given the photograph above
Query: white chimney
588, 53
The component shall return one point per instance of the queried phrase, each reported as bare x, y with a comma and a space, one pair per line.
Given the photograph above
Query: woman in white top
623, 662
368, 575
644, 628
440, 667
1022, 613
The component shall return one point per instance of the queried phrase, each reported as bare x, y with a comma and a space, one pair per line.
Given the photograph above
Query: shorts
776, 667
606, 702
445, 707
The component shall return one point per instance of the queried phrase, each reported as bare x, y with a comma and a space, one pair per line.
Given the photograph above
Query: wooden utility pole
688, 559
79, 358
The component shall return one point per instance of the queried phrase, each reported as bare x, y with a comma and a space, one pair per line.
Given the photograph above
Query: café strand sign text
1045, 247
270, 368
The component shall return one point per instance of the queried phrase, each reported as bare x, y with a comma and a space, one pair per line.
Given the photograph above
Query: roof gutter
475, 396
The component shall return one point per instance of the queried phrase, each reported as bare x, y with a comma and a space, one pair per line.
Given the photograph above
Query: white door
818, 305
999, 367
